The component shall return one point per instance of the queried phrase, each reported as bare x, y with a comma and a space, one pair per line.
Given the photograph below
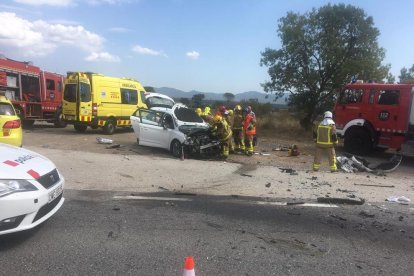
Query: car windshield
159, 102
6, 109
187, 115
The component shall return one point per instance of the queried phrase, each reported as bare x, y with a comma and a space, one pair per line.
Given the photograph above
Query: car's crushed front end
31, 189
200, 143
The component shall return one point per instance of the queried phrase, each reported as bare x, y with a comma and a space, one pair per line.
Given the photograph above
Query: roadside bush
281, 123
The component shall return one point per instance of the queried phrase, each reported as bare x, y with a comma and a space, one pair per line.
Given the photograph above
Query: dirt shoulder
270, 173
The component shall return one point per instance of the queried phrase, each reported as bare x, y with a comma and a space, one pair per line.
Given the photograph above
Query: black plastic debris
336, 200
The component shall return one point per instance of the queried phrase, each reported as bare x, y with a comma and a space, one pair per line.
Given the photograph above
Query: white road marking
321, 205
153, 198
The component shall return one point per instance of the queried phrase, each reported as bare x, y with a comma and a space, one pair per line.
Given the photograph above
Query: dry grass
282, 124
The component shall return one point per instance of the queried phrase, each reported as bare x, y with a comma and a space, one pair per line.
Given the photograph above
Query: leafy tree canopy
407, 75
229, 96
197, 99
320, 51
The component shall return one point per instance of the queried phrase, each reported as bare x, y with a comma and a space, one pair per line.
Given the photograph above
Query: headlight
9, 186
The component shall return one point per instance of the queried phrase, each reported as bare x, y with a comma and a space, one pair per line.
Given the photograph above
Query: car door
148, 128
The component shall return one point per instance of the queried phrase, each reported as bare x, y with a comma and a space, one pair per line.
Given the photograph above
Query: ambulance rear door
77, 100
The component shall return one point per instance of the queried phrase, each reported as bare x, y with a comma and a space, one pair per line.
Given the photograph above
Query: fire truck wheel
109, 127
80, 128
358, 141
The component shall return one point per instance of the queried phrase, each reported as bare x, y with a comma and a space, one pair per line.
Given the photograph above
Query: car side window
151, 117
168, 121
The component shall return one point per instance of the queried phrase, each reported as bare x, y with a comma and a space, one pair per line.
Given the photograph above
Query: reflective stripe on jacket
324, 135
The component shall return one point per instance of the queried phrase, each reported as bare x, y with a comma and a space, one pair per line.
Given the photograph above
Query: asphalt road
136, 210
119, 233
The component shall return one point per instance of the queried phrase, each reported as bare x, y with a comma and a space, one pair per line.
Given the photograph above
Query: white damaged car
31, 189
167, 129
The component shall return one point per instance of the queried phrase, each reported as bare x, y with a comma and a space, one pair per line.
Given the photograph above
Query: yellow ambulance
95, 100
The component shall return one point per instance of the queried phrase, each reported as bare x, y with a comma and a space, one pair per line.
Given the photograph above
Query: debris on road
350, 163
287, 170
101, 140
338, 217
366, 214
268, 184
113, 146
398, 199
375, 185
248, 175
335, 200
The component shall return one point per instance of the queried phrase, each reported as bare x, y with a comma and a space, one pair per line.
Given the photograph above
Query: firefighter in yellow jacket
222, 130
238, 133
326, 139
249, 127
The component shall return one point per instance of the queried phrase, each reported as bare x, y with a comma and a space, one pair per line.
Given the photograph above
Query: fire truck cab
35, 94
370, 115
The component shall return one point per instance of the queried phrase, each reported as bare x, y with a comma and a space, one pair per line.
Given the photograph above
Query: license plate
55, 193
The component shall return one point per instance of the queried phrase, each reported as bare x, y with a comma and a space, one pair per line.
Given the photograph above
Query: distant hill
260, 96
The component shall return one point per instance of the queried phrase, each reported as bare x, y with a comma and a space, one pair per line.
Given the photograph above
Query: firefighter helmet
237, 108
327, 114
198, 111
217, 118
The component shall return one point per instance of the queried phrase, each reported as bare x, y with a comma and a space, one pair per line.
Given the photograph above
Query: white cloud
61, 3
119, 30
147, 51
39, 38
193, 55
102, 56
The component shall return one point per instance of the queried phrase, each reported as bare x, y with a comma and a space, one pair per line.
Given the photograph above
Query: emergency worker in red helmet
249, 126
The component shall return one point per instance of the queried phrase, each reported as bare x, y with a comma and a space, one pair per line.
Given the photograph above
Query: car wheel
80, 128
109, 127
176, 148
358, 141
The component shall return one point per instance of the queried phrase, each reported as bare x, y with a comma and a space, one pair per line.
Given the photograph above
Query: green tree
185, 101
198, 99
320, 51
229, 97
407, 75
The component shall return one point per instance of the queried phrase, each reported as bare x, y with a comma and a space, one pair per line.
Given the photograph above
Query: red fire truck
35, 94
371, 115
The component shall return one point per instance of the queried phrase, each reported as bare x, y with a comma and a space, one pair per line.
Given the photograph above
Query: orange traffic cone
189, 266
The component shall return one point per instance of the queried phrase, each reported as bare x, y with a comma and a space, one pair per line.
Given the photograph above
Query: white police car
31, 189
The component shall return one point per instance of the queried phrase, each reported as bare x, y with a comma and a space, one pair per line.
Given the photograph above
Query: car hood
190, 130
20, 163
185, 116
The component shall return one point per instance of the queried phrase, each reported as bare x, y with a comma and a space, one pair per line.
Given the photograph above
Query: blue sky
204, 45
